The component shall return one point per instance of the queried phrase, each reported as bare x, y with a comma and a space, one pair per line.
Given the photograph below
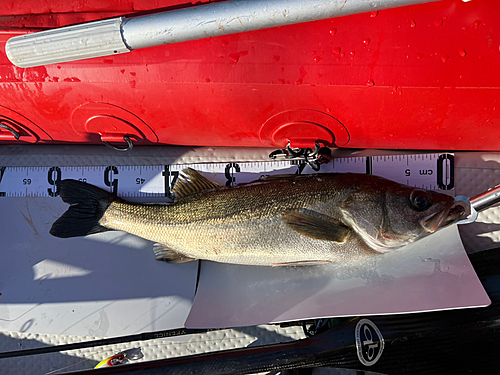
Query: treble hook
320, 155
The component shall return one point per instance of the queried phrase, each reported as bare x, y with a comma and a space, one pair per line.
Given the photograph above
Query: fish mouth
443, 218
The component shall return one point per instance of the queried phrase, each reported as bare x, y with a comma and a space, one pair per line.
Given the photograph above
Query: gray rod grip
69, 43
486, 199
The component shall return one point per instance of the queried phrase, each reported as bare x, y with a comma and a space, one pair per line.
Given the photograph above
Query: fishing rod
123, 34
101, 342
453, 341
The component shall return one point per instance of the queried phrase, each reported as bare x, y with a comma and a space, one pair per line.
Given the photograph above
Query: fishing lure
120, 358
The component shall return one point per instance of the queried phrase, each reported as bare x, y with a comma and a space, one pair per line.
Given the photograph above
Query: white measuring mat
428, 171
108, 284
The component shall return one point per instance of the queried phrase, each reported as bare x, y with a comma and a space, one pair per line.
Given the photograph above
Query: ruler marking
423, 172
2, 171
369, 166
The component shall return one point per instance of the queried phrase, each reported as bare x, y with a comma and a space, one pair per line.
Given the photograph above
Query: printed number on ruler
426, 171
429, 171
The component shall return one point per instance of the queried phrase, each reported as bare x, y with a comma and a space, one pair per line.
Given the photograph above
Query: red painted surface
419, 77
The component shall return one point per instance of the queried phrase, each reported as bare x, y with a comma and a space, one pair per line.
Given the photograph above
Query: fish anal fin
191, 182
301, 263
312, 225
166, 254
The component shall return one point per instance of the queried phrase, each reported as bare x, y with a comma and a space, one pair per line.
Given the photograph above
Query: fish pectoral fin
165, 254
314, 226
191, 182
301, 263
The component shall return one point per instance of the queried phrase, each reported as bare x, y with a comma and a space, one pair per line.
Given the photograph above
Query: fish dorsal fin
313, 225
191, 182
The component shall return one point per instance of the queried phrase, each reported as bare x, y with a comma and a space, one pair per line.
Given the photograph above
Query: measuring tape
427, 171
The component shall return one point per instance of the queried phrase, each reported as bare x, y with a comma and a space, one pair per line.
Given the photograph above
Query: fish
283, 220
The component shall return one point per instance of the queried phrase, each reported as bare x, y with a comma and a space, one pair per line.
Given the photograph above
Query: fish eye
419, 200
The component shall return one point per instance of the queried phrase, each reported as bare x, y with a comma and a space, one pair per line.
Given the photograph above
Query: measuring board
427, 171
108, 284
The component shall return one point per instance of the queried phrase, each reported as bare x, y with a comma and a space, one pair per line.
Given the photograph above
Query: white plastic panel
105, 285
431, 274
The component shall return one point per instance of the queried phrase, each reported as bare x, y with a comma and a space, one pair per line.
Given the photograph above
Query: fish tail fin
88, 204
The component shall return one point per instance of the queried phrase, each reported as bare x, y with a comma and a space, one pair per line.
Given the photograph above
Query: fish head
389, 215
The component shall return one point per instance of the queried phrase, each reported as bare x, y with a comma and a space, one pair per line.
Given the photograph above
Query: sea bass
277, 221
